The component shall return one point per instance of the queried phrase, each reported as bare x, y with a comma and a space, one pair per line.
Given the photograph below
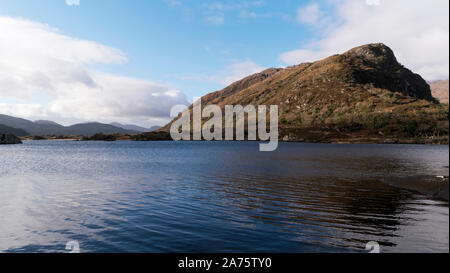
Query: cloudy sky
131, 61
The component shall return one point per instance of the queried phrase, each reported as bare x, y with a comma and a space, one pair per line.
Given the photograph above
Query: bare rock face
9, 139
376, 64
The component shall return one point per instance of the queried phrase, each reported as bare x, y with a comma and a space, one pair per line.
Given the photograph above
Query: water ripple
217, 197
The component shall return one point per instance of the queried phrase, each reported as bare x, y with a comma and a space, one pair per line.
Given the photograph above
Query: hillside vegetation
10, 130
363, 95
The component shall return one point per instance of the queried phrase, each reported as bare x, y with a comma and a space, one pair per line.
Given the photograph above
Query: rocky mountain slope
440, 90
362, 95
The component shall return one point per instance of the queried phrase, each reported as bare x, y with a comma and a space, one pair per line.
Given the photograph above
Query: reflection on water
217, 197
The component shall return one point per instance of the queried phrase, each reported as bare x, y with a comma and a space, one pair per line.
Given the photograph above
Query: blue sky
192, 47
170, 41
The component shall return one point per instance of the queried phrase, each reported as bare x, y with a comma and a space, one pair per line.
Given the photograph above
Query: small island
9, 139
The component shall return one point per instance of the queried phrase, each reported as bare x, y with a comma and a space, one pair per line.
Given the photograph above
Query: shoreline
340, 142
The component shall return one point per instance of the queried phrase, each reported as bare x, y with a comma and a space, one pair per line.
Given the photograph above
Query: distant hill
130, 127
9, 130
135, 127
42, 128
89, 129
362, 95
440, 90
154, 128
46, 122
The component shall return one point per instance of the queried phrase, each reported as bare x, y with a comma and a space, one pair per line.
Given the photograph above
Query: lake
218, 197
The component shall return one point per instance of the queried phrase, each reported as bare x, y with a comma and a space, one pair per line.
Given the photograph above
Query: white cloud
24, 110
36, 59
309, 14
230, 74
223, 6
217, 19
417, 31
254, 15
373, 2
215, 12
173, 3
301, 56
73, 2
248, 14
218, 12
237, 71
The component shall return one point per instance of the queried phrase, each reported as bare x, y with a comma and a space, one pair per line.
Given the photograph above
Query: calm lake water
218, 197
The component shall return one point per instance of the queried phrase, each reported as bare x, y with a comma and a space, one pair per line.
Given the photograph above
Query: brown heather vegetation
363, 96
440, 90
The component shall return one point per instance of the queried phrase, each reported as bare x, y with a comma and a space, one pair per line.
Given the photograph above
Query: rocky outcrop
9, 139
375, 64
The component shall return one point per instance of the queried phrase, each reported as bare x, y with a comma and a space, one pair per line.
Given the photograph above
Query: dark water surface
217, 197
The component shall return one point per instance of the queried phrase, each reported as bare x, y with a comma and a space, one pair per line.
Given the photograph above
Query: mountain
154, 128
362, 95
89, 129
46, 122
440, 90
9, 130
135, 127
19, 123
130, 127
42, 128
